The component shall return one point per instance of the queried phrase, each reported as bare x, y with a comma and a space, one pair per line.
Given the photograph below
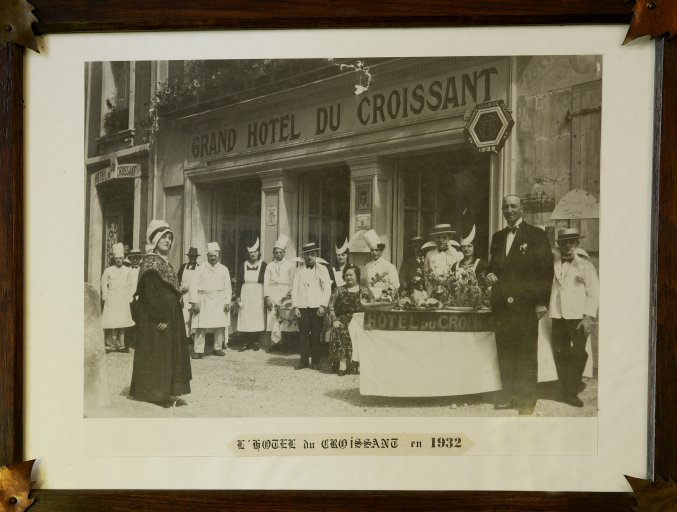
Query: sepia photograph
342, 237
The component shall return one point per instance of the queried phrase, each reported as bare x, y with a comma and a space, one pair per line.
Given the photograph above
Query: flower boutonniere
523, 248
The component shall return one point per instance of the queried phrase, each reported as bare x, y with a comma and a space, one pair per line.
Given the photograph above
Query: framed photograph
363, 198
188, 160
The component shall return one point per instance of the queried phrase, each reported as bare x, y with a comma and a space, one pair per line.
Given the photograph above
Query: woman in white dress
251, 318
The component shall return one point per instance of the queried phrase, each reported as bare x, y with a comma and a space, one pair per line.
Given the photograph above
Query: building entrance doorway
237, 219
451, 187
325, 209
117, 205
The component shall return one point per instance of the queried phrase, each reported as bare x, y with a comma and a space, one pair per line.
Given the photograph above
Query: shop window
451, 187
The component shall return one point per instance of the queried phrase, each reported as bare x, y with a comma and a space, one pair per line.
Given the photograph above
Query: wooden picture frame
125, 15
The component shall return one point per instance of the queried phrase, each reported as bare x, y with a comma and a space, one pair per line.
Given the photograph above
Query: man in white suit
573, 306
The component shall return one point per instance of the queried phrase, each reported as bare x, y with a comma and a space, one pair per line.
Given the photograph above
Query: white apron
211, 313
250, 317
116, 291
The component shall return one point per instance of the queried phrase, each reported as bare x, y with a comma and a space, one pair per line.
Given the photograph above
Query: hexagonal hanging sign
488, 126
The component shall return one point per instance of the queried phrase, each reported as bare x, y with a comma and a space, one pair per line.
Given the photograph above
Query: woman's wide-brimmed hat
309, 247
442, 229
156, 229
569, 234
192, 252
373, 240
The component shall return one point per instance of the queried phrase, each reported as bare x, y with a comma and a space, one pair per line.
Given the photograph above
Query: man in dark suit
520, 272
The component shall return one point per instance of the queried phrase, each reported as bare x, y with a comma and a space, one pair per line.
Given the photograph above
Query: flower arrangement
381, 281
461, 288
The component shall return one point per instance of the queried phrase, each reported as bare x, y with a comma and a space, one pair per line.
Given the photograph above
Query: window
450, 187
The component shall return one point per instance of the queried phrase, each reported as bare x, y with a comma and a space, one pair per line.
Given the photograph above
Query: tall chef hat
343, 248
155, 230
118, 251
281, 243
254, 247
468, 240
373, 240
213, 246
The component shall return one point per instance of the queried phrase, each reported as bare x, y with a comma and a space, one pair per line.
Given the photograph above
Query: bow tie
250, 268
310, 266
512, 229
567, 259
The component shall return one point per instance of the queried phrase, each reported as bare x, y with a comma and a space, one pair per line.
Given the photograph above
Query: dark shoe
124, 350
243, 348
526, 407
256, 347
196, 356
179, 402
219, 353
572, 400
314, 366
301, 366
341, 373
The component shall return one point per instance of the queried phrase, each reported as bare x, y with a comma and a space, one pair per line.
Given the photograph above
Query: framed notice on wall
328, 432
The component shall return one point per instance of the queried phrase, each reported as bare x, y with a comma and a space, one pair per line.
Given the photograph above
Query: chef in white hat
277, 283
209, 295
251, 319
381, 275
117, 293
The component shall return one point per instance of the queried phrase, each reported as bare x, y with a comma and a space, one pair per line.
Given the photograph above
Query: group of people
313, 299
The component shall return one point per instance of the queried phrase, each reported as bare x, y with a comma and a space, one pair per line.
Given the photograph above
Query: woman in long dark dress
345, 300
161, 370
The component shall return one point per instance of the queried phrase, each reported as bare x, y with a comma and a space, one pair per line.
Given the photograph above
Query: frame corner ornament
16, 23
653, 18
653, 496
15, 486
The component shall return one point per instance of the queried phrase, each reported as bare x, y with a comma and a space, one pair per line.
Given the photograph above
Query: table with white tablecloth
405, 363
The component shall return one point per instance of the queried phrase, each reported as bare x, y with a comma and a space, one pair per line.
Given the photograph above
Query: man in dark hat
185, 275
413, 265
520, 274
573, 306
309, 298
